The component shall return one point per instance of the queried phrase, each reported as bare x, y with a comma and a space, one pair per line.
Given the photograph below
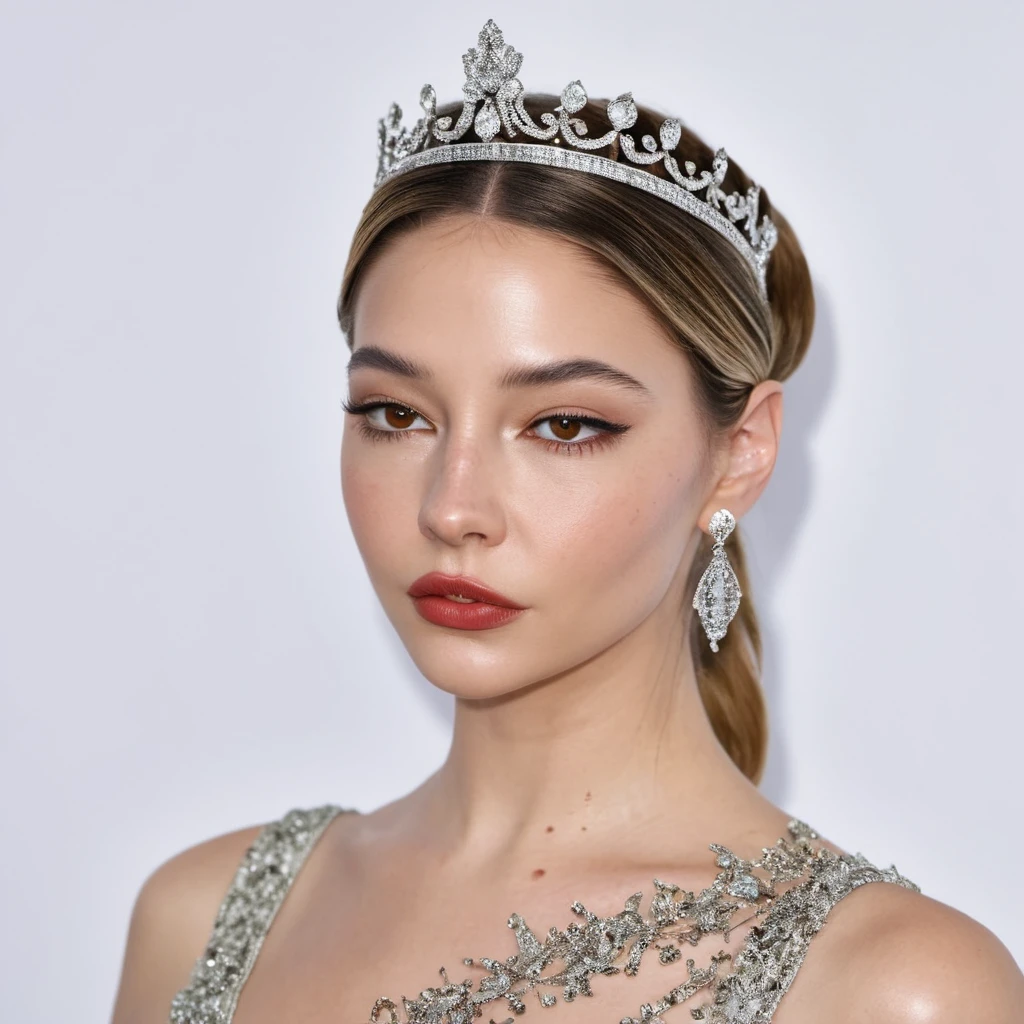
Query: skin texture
582, 764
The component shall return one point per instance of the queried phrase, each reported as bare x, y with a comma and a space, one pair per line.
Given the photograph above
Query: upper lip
461, 586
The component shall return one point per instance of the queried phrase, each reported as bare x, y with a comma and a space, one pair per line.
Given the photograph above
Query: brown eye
565, 428
398, 416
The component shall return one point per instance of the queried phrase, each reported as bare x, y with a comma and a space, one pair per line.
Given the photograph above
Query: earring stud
718, 593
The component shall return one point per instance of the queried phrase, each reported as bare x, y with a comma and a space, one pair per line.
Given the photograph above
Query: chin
469, 664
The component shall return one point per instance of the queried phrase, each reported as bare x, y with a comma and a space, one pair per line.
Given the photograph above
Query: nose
462, 499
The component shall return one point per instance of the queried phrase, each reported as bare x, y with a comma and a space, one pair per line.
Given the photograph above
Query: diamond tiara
491, 67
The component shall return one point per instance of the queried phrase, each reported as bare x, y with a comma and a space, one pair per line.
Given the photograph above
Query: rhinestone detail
261, 882
761, 972
717, 597
491, 68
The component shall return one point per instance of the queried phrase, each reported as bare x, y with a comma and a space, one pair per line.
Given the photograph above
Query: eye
391, 417
394, 419
567, 428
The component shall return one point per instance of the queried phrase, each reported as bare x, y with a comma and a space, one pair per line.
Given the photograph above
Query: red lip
487, 610
440, 584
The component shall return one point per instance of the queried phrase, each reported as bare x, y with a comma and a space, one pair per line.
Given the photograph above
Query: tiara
491, 68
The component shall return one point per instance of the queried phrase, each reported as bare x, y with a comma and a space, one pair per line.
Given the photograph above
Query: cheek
621, 538
373, 501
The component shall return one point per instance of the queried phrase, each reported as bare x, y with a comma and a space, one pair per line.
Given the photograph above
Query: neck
603, 755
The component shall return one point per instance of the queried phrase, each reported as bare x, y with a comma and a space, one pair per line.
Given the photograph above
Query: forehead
467, 291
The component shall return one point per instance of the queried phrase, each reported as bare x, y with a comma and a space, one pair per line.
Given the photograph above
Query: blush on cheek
373, 504
590, 540
638, 542
628, 541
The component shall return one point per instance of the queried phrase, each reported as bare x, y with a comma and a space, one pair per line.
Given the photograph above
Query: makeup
461, 602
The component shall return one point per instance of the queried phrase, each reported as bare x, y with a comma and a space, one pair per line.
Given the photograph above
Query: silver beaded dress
743, 987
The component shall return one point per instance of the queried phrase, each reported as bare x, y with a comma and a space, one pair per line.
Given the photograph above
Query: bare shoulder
171, 922
889, 953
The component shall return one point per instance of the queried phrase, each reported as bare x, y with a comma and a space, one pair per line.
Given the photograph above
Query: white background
189, 642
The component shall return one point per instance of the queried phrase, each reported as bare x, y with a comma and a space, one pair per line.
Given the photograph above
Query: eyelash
611, 431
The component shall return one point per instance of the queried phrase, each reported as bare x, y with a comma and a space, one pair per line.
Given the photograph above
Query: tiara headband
491, 67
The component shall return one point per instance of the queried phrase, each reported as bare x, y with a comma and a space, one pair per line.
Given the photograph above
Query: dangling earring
718, 593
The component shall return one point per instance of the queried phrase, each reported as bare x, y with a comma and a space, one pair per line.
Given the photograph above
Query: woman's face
590, 528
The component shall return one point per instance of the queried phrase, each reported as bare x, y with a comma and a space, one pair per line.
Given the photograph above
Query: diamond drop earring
718, 592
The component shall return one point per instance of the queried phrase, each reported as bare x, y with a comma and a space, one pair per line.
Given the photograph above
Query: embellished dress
743, 987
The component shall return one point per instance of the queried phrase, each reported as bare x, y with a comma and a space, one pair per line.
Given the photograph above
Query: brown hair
695, 284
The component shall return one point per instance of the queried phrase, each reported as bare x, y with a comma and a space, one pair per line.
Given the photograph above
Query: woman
569, 322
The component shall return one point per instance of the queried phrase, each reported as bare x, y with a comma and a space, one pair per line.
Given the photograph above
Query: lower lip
442, 611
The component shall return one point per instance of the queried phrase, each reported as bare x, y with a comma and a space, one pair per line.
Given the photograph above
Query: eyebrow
525, 376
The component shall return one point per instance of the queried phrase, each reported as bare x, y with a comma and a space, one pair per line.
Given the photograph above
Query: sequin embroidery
258, 889
761, 971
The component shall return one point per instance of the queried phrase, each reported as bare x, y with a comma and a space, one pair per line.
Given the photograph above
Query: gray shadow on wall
774, 522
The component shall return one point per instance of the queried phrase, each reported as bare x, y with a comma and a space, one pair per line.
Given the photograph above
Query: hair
695, 284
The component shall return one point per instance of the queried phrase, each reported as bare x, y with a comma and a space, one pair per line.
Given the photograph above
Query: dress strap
772, 954
262, 881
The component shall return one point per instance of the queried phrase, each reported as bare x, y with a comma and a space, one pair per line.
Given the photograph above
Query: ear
745, 462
